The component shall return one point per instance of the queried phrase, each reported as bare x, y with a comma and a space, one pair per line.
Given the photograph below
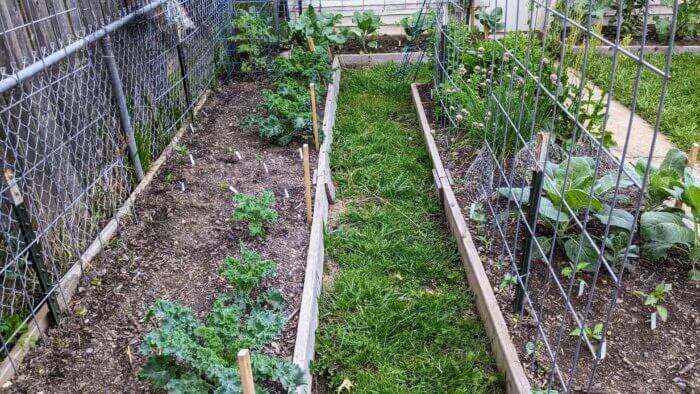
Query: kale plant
687, 22
257, 212
253, 31
367, 25
303, 66
245, 274
289, 107
417, 24
187, 355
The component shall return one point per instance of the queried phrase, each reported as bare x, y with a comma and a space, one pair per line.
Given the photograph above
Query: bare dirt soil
173, 250
385, 44
639, 360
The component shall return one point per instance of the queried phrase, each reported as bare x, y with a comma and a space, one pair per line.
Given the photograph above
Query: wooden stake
486, 32
314, 114
307, 184
310, 41
246, 372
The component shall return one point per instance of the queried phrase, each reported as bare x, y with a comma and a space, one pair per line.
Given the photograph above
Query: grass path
397, 316
681, 115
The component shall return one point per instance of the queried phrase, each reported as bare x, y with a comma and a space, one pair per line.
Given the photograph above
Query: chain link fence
90, 95
555, 172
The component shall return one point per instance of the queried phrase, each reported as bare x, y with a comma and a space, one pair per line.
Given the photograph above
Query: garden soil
172, 248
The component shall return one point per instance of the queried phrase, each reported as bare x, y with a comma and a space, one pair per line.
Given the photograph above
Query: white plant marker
191, 128
238, 155
267, 171
653, 321
603, 349
472, 210
286, 193
581, 287
233, 190
182, 186
191, 159
301, 154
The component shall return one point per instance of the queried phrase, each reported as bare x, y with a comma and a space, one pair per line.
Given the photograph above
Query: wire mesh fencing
563, 176
90, 95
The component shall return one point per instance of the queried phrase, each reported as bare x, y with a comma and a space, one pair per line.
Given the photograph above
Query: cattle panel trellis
91, 92
564, 203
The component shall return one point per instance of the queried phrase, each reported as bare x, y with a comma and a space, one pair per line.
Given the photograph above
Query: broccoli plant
253, 31
655, 298
367, 25
257, 212
417, 24
186, 354
492, 21
318, 25
245, 273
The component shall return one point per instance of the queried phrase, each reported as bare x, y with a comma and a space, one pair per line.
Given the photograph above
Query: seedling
596, 332
257, 212
170, 178
223, 186
574, 268
508, 281
476, 213
182, 149
532, 348
655, 298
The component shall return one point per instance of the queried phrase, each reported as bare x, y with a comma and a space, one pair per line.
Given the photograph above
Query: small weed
182, 149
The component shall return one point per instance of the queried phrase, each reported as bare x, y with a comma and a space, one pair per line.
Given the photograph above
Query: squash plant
575, 190
188, 355
367, 25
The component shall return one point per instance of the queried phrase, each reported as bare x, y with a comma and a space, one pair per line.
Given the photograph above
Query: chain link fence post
120, 100
32, 245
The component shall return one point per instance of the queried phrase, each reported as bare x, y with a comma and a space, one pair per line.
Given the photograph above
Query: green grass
398, 317
681, 115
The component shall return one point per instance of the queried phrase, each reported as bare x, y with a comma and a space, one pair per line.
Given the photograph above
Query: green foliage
508, 280
186, 355
253, 32
367, 25
591, 333
417, 24
493, 19
182, 149
632, 14
664, 179
256, 212
12, 324
321, 26
245, 274
656, 298
303, 66
687, 21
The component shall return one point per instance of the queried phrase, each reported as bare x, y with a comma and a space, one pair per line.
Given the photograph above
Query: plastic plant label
653, 321
581, 288
191, 159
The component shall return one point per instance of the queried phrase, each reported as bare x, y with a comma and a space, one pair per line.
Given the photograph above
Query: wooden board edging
68, 283
504, 351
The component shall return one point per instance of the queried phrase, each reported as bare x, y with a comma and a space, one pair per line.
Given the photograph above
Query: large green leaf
665, 227
546, 245
691, 193
588, 253
675, 161
620, 218
608, 182
578, 199
550, 211
520, 194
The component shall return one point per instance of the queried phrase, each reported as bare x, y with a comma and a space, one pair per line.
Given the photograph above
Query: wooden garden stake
314, 114
310, 41
307, 184
246, 371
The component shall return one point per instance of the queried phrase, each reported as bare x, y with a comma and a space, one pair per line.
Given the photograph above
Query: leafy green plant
662, 180
321, 26
509, 280
182, 149
688, 20
289, 107
303, 66
367, 25
616, 248
12, 324
656, 298
491, 20
632, 14
247, 272
187, 355
572, 268
417, 24
592, 333
256, 212
253, 32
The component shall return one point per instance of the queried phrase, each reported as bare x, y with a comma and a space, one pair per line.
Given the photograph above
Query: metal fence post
34, 254
185, 79
120, 100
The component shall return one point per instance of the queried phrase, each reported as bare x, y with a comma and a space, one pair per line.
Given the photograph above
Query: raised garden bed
638, 359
